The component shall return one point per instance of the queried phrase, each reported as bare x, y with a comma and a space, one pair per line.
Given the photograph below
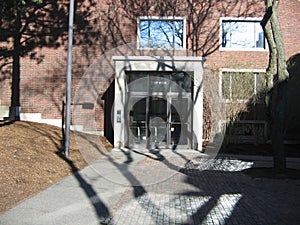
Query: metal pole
69, 80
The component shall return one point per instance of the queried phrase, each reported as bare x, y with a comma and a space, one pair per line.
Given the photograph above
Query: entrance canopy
158, 102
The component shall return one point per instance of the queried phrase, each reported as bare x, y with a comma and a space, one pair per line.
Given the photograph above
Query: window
241, 85
157, 32
165, 82
242, 34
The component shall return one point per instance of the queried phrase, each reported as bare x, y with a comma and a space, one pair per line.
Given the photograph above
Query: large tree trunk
282, 73
276, 71
14, 112
278, 103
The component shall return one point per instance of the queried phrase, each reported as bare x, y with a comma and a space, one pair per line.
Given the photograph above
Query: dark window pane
183, 81
159, 83
137, 81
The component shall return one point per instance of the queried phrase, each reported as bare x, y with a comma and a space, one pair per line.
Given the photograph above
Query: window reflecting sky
242, 34
161, 33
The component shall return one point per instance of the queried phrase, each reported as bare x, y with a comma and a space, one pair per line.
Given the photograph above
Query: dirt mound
31, 160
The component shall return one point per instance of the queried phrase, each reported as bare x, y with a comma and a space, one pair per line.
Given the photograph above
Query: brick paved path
211, 193
134, 189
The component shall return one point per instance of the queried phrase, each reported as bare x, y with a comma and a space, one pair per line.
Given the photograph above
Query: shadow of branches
255, 115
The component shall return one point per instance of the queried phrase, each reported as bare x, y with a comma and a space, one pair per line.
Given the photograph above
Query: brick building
226, 34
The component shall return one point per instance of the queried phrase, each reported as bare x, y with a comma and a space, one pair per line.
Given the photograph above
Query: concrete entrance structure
159, 89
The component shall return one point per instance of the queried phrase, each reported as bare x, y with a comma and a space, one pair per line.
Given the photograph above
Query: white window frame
255, 74
161, 18
238, 19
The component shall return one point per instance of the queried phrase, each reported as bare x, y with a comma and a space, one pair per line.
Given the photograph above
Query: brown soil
32, 159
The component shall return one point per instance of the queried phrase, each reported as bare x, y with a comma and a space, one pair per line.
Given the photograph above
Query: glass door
148, 122
158, 123
180, 122
158, 115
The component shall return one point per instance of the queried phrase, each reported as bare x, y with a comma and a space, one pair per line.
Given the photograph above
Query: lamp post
69, 79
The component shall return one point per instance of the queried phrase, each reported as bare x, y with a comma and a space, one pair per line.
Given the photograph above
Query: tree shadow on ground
255, 202
100, 208
221, 193
272, 173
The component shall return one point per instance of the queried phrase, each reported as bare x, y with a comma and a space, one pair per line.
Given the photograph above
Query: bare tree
26, 26
277, 76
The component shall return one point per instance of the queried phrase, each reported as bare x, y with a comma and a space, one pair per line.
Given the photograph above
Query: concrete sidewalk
181, 187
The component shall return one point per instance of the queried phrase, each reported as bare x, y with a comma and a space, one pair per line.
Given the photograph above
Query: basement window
242, 85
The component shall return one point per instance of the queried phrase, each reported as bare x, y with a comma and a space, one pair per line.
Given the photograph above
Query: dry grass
31, 160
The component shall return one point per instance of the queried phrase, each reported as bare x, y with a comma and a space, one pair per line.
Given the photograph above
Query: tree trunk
272, 65
280, 94
278, 103
14, 112
282, 73
277, 69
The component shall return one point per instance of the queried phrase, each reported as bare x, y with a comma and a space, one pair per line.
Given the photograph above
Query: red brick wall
42, 85
289, 16
113, 24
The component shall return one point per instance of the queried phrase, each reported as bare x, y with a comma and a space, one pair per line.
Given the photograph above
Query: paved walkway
181, 187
